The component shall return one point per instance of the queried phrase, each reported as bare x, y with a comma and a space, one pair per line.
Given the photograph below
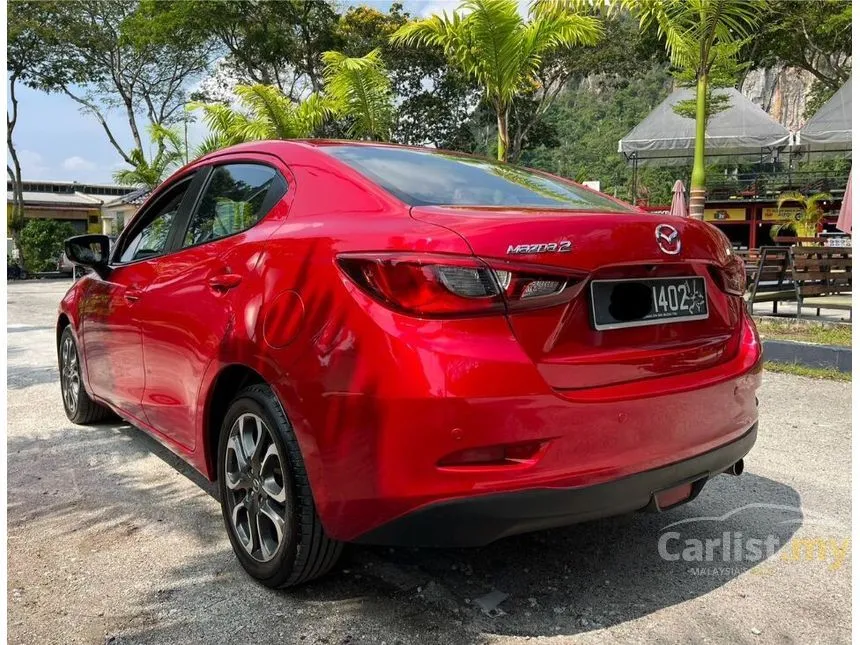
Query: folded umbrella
679, 203
844, 221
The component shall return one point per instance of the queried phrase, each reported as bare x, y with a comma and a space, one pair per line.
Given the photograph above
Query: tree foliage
545, 89
489, 41
434, 99
268, 43
42, 242
587, 121
149, 173
811, 213
813, 35
359, 90
114, 55
27, 60
264, 112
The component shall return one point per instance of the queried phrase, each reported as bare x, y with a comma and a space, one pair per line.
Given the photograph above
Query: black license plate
649, 301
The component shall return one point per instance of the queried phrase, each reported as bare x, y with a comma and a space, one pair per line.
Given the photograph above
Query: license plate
650, 301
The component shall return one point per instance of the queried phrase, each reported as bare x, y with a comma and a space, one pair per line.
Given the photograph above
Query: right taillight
732, 277
447, 286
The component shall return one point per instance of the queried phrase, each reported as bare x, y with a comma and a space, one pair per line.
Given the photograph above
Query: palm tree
170, 152
489, 41
700, 36
266, 113
359, 90
807, 224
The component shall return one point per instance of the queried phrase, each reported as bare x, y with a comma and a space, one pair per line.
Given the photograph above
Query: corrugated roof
135, 198
56, 199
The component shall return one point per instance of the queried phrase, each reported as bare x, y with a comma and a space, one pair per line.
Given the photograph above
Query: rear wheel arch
229, 382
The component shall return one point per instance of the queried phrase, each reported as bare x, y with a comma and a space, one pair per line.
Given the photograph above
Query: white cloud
33, 165
78, 164
438, 7
450, 6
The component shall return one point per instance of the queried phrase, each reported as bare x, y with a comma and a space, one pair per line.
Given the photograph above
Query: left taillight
448, 286
732, 277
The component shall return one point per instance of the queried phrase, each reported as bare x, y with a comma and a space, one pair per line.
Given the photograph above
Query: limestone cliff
781, 91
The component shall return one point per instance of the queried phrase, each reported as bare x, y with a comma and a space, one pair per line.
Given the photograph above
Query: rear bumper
476, 521
376, 435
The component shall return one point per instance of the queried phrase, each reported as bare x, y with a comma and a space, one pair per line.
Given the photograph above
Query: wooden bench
822, 277
791, 240
769, 276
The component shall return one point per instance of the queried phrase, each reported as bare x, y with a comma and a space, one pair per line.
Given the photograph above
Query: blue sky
56, 141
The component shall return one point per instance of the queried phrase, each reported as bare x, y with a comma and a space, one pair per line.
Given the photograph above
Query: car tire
79, 407
266, 498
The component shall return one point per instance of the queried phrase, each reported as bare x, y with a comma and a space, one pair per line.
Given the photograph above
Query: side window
151, 240
234, 200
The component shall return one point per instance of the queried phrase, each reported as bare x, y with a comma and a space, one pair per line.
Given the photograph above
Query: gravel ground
111, 539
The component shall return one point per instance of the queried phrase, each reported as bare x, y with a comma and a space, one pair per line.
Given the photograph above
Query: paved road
113, 540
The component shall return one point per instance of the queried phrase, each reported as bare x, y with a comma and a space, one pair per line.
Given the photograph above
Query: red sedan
379, 344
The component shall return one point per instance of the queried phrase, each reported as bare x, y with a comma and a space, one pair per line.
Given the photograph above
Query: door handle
224, 281
131, 295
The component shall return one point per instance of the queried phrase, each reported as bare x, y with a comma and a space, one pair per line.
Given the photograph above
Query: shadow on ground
564, 581
19, 377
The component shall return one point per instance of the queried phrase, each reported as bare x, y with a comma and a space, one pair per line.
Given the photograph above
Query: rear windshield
438, 179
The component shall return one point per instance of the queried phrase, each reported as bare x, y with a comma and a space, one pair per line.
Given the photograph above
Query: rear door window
236, 197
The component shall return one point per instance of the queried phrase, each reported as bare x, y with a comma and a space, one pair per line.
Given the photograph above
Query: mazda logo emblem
668, 239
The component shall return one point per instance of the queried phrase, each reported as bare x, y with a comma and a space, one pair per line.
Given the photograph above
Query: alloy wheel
255, 484
70, 374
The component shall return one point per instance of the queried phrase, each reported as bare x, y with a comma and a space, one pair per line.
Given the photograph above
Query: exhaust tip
736, 468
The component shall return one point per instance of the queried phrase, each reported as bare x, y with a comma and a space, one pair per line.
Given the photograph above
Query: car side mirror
89, 251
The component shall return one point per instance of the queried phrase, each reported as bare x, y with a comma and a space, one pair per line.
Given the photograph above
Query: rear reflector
447, 286
668, 498
501, 455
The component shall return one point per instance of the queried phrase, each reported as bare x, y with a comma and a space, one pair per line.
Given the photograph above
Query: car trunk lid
561, 338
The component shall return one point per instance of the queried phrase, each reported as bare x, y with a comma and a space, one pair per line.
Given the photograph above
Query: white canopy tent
828, 132
666, 138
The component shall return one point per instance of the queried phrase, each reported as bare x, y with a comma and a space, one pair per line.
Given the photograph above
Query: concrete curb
808, 354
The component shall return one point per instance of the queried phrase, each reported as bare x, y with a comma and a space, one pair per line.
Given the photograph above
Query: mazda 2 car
386, 345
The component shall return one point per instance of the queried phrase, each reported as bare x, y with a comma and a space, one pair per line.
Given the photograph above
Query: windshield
438, 179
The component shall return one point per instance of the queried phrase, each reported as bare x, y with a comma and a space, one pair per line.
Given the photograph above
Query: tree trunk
16, 217
504, 140
697, 181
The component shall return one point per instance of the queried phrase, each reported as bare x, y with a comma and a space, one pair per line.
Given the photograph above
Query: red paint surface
378, 397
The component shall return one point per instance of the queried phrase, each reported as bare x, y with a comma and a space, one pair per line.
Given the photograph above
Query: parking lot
111, 539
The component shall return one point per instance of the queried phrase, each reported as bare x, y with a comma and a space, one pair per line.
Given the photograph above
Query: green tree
434, 99
355, 89
113, 54
701, 37
265, 43
625, 54
586, 123
42, 242
264, 113
359, 90
813, 35
22, 48
169, 155
491, 43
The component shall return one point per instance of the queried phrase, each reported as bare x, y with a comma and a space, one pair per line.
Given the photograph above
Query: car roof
281, 146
